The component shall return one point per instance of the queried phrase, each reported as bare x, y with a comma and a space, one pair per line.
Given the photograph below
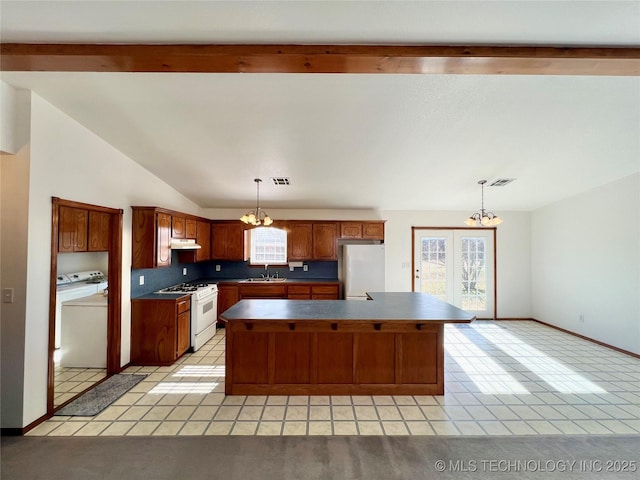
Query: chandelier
483, 218
257, 217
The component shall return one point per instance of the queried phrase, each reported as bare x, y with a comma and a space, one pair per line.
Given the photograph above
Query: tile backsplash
157, 278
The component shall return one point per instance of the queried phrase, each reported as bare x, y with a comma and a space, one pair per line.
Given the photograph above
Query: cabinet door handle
249, 326
377, 326
292, 326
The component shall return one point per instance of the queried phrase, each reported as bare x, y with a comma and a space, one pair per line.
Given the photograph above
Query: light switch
7, 295
218, 268
305, 268
184, 271
141, 279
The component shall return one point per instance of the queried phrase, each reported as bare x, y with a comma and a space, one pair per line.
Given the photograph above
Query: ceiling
406, 142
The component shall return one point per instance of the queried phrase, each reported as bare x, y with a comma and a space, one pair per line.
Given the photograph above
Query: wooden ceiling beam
371, 59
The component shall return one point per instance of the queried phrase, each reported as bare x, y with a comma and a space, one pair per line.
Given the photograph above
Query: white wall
513, 247
71, 162
14, 127
586, 261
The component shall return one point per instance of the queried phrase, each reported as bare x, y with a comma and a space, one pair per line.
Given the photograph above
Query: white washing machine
84, 332
72, 286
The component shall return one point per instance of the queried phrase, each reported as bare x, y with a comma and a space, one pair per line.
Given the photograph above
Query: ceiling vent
281, 180
501, 182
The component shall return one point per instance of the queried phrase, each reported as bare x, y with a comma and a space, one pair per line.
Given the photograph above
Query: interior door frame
495, 257
114, 278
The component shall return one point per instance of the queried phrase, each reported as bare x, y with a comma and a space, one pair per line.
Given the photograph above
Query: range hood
184, 244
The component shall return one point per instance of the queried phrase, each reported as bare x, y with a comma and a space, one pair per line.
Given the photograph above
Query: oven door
204, 315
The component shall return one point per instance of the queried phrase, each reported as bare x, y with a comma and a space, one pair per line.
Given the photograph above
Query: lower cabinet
160, 330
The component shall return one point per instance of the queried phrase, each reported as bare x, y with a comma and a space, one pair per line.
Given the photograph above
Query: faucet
266, 269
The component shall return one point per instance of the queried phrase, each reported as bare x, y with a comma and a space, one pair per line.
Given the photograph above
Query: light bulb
267, 221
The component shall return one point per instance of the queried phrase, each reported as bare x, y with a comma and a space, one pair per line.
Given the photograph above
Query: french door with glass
456, 266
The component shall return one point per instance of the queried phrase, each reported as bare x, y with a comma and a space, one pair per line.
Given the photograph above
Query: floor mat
104, 394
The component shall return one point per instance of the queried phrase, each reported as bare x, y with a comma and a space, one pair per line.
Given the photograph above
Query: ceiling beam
409, 59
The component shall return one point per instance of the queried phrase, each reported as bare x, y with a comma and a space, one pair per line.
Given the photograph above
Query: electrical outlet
305, 268
218, 268
184, 271
7, 295
141, 279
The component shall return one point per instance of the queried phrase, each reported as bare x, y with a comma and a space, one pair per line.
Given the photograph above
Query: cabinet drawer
299, 296
299, 289
324, 289
184, 304
267, 291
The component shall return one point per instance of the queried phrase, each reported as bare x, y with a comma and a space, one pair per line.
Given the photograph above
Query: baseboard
12, 432
598, 342
512, 319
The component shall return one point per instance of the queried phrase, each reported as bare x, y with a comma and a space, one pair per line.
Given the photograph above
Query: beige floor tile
256, 400
234, 400
345, 428
434, 412
204, 413
404, 400
135, 413
411, 412
111, 413
425, 400
227, 413
616, 426
319, 400
172, 399
269, 428
395, 428
568, 427
117, 429
168, 428
43, 429
383, 400
342, 412
277, 400
493, 427
273, 413
67, 429
194, 428
470, 428
92, 429
192, 399
320, 428
444, 428
370, 428
298, 400
295, 428
319, 412
244, 428
213, 399
181, 412
157, 413
388, 412
366, 412
592, 427
128, 399
420, 428
543, 427
143, 428
297, 412
362, 400
219, 428
250, 413
149, 399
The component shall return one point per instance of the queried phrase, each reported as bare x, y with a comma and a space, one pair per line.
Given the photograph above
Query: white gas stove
204, 309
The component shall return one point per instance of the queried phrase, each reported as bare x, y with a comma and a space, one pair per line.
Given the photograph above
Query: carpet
101, 396
534, 457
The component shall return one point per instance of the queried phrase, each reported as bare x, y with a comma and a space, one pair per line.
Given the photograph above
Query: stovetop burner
188, 288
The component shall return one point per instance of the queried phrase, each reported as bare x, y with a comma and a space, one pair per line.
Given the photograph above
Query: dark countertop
161, 296
402, 306
284, 282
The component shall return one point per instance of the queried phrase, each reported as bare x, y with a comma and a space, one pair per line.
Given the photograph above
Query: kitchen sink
264, 280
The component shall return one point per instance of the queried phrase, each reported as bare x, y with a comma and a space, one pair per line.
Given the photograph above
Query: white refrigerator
362, 270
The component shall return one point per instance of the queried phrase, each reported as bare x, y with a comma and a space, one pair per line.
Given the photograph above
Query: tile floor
69, 381
502, 378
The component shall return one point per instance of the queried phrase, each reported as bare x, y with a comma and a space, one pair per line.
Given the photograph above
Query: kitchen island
391, 345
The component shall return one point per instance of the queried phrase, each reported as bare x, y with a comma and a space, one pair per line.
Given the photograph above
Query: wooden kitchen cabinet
203, 238
263, 291
228, 296
151, 238
227, 241
325, 240
362, 230
160, 330
98, 231
191, 228
300, 241
178, 228
312, 291
72, 229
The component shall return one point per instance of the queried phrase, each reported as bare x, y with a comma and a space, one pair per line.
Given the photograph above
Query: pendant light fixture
483, 218
257, 217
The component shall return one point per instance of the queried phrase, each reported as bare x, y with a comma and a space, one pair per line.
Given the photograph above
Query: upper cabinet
203, 238
178, 227
373, 230
72, 229
98, 231
227, 241
300, 241
151, 238
325, 241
